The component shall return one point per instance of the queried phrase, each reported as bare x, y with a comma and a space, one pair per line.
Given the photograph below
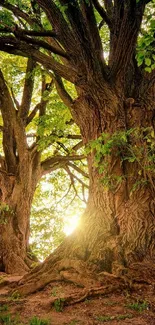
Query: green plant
59, 304
138, 306
119, 317
5, 319
36, 321
15, 296
133, 145
105, 318
4, 308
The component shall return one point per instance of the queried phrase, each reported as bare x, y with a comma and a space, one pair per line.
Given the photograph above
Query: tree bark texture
15, 209
117, 228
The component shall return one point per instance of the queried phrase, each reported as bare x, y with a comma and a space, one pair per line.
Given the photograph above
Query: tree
114, 110
27, 154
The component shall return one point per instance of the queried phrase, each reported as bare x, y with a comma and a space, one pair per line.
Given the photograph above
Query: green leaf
148, 69
148, 61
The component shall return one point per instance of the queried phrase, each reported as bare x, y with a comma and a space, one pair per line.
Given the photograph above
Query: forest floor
69, 304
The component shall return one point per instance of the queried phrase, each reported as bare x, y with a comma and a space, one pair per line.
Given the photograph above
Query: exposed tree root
74, 271
87, 293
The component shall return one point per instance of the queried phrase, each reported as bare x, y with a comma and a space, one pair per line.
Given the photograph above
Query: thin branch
66, 98
79, 170
40, 43
80, 181
22, 34
41, 33
63, 197
20, 31
63, 147
32, 114
18, 13
72, 178
13, 46
102, 13
15, 100
57, 161
78, 146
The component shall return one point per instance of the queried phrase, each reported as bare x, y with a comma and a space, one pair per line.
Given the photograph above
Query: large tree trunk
118, 226
15, 206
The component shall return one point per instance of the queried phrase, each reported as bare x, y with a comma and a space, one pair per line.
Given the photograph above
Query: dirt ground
68, 304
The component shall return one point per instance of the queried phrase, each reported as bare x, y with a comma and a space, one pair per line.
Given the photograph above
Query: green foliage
36, 321
138, 305
145, 48
6, 19
4, 308
134, 145
15, 296
59, 304
5, 319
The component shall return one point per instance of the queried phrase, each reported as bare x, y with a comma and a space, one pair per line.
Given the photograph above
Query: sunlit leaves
53, 211
6, 19
146, 45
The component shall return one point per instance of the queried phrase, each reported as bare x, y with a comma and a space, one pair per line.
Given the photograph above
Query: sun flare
71, 224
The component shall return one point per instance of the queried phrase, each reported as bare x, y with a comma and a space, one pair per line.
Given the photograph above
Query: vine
136, 145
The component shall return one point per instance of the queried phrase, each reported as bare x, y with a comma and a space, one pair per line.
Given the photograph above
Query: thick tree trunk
15, 206
118, 226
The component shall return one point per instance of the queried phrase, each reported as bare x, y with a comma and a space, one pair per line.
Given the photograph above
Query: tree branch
15, 100
20, 31
125, 35
28, 90
77, 146
59, 24
79, 170
32, 114
40, 43
102, 13
13, 46
66, 98
8, 116
56, 162
18, 13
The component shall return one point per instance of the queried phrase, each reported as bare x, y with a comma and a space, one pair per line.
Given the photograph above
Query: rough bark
118, 227
16, 199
